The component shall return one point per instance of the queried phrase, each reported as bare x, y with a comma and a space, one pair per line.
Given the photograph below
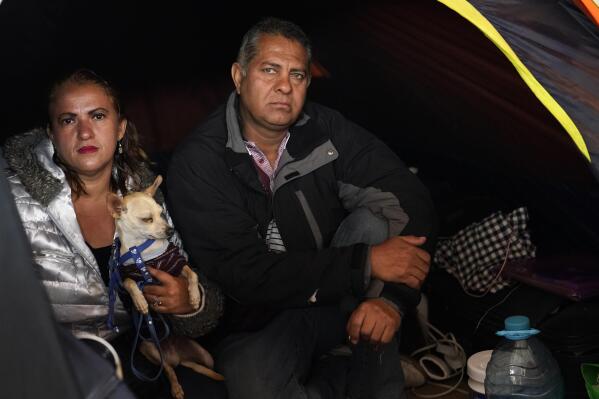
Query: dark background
413, 72
162, 56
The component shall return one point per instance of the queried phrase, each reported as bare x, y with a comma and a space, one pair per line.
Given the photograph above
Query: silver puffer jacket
62, 259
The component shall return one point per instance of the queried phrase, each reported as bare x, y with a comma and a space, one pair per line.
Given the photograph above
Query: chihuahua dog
139, 218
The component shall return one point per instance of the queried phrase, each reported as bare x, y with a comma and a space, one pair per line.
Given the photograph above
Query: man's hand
375, 321
170, 297
399, 260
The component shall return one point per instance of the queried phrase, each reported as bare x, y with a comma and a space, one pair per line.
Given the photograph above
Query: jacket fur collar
27, 155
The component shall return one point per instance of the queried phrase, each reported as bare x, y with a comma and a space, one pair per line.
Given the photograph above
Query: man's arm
372, 176
222, 237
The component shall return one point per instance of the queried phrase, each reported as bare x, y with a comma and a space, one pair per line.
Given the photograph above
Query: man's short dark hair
270, 26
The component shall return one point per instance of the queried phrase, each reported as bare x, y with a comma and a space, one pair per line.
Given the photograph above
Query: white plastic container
476, 367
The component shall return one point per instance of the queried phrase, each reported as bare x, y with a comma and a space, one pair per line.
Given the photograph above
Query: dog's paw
139, 301
177, 391
194, 297
140, 304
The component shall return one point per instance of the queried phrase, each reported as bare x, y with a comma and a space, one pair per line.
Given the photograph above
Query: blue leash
116, 283
153, 336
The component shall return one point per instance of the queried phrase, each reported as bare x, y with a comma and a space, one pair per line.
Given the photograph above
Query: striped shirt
273, 237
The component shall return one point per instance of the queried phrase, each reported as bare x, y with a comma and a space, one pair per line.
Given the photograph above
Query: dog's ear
115, 205
152, 189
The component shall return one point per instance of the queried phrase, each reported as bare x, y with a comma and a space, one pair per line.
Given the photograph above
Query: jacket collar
305, 149
234, 134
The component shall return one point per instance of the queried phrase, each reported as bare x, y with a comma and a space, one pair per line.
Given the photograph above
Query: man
278, 200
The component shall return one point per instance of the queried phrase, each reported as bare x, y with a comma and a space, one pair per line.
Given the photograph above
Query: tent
492, 101
462, 110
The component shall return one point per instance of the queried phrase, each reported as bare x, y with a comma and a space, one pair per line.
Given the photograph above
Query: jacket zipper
316, 233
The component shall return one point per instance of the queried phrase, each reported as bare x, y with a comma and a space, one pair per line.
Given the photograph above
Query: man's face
273, 91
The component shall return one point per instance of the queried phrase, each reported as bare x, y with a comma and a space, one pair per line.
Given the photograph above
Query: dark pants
289, 357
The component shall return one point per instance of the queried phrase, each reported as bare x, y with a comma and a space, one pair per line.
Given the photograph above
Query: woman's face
85, 128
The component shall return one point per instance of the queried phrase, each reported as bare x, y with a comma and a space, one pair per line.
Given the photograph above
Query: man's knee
361, 226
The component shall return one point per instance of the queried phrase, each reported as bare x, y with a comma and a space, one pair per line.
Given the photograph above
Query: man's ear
237, 75
152, 189
115, 205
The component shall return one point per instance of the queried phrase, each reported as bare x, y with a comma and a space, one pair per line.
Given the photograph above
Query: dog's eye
147, 220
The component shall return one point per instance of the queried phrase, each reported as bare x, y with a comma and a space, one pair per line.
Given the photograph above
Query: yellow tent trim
466, 10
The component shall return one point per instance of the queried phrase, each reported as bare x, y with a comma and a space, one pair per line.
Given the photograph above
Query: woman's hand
172, 296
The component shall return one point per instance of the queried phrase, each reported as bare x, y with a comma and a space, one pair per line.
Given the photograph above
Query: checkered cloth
476, 253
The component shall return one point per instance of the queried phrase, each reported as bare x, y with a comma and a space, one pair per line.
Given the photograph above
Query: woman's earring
120, 147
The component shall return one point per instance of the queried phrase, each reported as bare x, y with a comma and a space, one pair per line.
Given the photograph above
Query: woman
60, 179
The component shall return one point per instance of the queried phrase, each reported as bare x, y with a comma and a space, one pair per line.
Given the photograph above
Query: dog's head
138, 216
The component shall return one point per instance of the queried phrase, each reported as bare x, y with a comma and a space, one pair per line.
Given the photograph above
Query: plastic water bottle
521, 366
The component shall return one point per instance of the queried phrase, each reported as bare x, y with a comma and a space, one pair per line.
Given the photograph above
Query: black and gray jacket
329, 168
63, 261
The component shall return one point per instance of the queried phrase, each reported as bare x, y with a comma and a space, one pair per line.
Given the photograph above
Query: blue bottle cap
516, 328
515, 323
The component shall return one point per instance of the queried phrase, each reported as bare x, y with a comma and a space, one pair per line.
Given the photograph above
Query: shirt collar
257, 154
